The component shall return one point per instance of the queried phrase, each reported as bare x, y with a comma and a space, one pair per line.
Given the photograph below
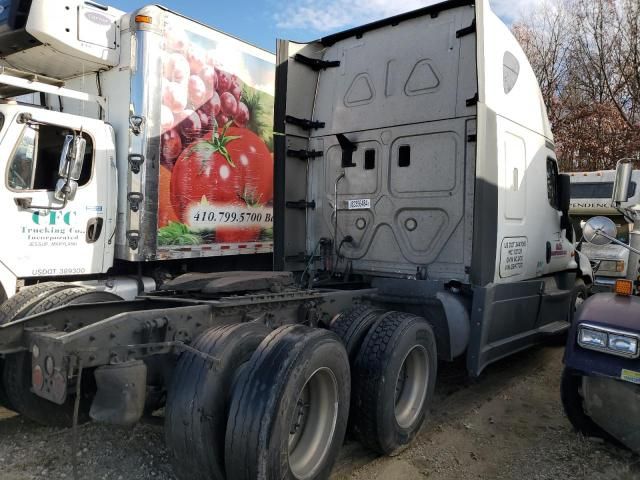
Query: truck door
41, 239
519, 239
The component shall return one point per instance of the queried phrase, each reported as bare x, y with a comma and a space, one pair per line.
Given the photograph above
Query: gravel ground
506, 425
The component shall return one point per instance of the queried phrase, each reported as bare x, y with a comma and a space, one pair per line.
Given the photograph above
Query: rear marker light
37, 378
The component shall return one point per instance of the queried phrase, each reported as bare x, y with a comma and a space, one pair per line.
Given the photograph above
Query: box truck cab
591, 196
147, 93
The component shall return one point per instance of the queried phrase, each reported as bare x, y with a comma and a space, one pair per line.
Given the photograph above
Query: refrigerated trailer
144, 93
419, 217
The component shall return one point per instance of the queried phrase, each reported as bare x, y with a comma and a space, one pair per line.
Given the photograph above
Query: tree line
586, 55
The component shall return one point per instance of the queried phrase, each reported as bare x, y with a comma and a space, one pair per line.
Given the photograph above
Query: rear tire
394, 379
17, 368
289, 410
353, 325
199, 396
578, 297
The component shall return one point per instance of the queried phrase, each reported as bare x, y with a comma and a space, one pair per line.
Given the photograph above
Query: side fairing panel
530, 242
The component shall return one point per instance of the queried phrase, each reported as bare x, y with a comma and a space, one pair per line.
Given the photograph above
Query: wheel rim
313, 424
411, 386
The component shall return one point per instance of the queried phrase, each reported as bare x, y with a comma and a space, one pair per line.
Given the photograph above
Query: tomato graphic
227, 167
166, 214
250, 153
202, 171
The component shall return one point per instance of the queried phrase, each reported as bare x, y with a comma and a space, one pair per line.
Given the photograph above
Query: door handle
94, 229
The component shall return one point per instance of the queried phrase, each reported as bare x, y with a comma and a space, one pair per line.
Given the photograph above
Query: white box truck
590, 196
148, 94
419, 217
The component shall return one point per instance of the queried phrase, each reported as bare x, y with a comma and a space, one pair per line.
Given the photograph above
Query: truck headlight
615, 342
592, 338
623, 344
617, 266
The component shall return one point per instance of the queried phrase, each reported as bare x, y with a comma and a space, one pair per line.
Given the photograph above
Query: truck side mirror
599, 231
70, 167
624, 169
564, 192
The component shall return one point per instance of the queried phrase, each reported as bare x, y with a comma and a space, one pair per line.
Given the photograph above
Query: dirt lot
506, 425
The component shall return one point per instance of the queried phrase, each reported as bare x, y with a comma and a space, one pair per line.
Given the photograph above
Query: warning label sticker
512, 256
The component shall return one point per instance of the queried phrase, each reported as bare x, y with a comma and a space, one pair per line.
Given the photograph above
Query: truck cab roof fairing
506, 82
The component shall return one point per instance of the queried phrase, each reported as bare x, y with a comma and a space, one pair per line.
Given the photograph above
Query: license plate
630, 376
360, 204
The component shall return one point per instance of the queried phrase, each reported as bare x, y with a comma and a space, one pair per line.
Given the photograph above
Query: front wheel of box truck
17, 307
394, 378
17, 367
289, 409
199, 395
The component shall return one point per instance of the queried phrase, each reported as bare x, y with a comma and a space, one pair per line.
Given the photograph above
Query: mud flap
121, 393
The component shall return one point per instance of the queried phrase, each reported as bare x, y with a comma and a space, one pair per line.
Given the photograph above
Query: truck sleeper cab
419, 216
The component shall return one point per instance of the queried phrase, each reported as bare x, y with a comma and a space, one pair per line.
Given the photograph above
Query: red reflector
225, 247
37, 379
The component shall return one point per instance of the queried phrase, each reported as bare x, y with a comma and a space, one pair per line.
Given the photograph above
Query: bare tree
544, 36
586, 54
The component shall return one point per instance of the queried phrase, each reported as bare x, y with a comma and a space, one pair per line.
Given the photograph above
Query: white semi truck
590, 196
419, 217
141, 95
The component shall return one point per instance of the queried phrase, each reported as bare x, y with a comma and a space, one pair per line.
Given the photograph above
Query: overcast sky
262, 21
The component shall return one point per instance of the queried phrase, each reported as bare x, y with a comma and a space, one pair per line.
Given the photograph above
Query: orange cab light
623, 287
143, 19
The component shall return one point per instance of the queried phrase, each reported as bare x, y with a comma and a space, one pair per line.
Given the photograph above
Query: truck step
554, 328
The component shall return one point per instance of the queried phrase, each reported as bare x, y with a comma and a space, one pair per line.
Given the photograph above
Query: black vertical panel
280, 152
485, 214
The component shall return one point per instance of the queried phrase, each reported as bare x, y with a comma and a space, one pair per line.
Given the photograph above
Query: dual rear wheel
275, 404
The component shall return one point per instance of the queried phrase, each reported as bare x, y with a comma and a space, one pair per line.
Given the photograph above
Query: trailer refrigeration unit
145, 96
418, 217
